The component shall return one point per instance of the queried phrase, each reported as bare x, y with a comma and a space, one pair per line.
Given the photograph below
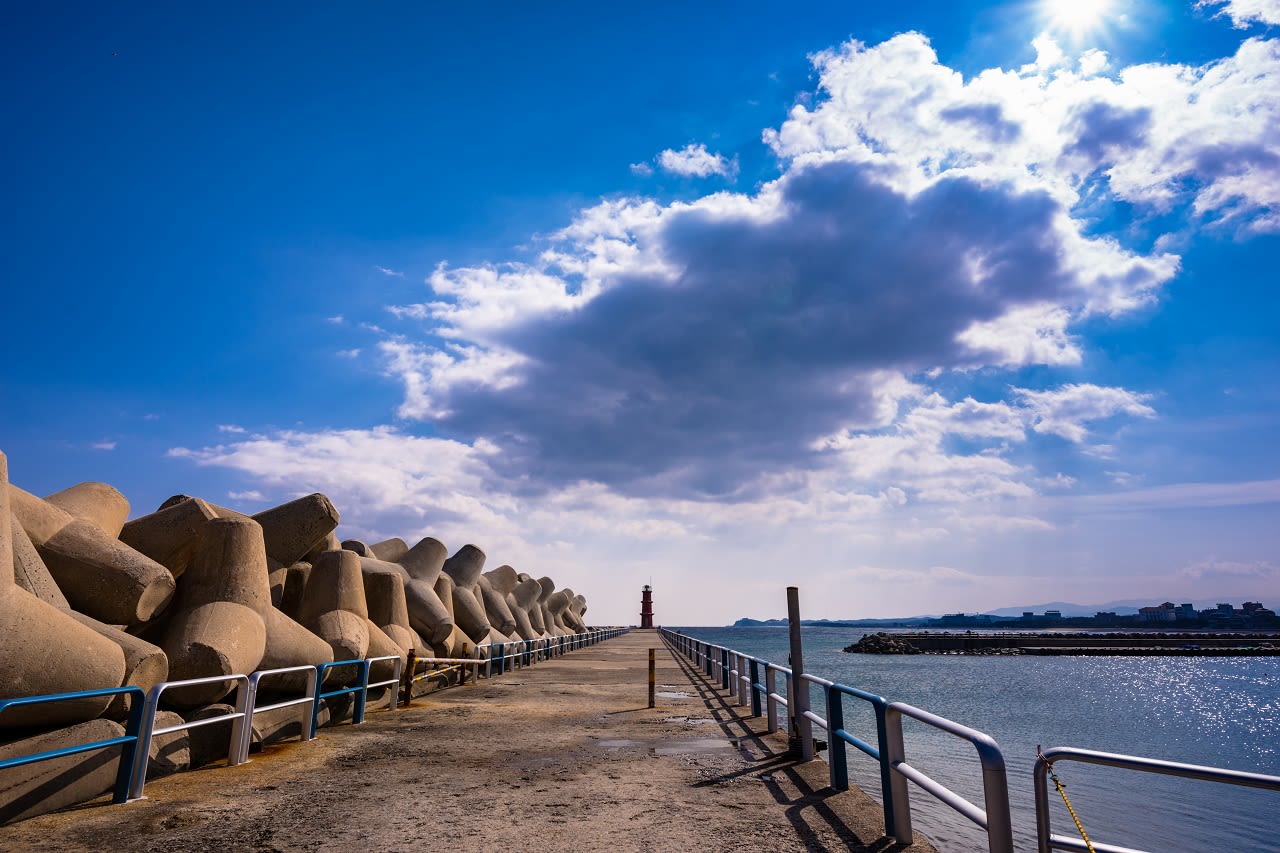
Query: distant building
1186, 611
1053, 614
1254, 610
1221, 614
1160, 613
1028, 614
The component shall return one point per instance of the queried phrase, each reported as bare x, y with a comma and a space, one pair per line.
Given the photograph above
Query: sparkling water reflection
1218, 711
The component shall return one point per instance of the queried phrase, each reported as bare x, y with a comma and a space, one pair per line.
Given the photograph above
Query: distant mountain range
1126, 607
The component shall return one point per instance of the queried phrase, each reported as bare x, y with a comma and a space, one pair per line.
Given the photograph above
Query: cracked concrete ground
563, 756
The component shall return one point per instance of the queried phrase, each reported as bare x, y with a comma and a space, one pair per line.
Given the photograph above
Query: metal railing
995, 819
128, 742
305, 703
237, 717
738, 674
493, 659
837, 736
1046, 841
140, 727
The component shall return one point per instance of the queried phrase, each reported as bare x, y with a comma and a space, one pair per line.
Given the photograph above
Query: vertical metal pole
995, 791
770, 688
755, 693
837, 760
321, 670
896, 754
886, 774
801, 726
1042, 806
357, 714
724, 669
130, 754
653, 678
241, 734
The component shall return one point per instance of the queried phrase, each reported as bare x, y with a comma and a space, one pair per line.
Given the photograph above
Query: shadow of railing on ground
771, 761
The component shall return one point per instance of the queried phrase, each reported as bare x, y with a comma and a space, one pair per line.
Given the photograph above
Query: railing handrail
1046, 841
128, 742
888, 753
140, 725
237, 717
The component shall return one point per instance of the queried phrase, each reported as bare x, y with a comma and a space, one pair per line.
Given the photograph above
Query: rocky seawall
1145, 643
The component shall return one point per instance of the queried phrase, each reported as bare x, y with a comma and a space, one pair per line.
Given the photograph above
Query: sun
1077, 16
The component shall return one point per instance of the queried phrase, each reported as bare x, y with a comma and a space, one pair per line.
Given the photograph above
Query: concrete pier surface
562, 756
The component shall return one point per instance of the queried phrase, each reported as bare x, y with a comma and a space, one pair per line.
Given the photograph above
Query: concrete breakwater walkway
565, 756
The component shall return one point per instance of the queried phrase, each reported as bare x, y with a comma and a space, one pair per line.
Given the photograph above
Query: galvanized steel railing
1046, 841
140, 728
995, 819
738, 674
238, 716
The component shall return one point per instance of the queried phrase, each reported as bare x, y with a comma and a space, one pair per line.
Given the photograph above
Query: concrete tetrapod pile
91, 600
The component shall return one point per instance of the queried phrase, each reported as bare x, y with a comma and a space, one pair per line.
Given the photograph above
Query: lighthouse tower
646, 607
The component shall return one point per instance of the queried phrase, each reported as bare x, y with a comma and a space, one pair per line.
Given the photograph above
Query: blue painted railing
140, 727
128, 742
738, 673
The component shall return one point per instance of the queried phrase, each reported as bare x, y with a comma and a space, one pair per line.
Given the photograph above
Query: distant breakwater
1166, 644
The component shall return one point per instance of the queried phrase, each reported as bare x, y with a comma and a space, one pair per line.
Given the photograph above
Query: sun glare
1077, 16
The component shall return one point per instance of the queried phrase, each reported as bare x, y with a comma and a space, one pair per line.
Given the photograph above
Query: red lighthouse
646, 607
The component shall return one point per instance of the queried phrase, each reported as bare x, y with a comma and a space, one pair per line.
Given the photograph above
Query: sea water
1216, 711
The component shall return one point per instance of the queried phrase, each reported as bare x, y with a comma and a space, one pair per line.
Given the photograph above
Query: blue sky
922, 307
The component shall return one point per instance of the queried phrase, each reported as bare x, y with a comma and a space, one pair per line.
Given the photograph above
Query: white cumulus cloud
695, 161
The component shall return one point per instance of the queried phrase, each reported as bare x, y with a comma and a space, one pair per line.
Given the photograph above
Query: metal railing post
886, 772
724, 669
995, 791
755, 693
837, 758
357, 714
771, 687
895, 753
1039, 773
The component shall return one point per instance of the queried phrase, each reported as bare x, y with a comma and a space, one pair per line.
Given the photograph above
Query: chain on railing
1046, 841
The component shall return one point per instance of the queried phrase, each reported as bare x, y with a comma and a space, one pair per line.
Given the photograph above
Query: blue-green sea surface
1217, 711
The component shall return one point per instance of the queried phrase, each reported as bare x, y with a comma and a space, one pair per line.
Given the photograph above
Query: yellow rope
1062, 789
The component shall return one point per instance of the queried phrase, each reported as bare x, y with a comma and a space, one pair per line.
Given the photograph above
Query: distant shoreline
1180, 644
